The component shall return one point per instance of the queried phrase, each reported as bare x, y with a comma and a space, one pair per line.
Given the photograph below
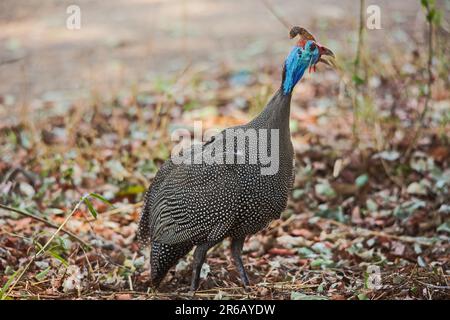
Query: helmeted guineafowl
199, 203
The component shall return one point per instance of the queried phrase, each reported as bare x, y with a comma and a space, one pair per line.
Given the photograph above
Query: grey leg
236, 250
199, 259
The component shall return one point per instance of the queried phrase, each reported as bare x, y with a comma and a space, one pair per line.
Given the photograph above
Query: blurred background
86, 116
126, 42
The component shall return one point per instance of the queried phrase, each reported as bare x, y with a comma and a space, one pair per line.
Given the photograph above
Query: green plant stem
420, 124
356, 65
360, 44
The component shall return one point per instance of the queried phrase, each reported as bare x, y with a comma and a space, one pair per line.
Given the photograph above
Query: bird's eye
312, 47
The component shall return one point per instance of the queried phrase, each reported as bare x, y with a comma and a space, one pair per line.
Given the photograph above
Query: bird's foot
194, 286
243, 276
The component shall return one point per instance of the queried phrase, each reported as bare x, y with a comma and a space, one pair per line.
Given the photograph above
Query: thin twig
48, 223
429, 285
46, 245
272, 10
421, 121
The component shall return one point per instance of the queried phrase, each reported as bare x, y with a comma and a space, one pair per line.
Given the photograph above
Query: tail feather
165, 256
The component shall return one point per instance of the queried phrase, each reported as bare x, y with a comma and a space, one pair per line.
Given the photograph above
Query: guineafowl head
305, 55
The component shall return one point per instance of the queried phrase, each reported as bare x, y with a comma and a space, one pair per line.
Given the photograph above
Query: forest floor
368, 217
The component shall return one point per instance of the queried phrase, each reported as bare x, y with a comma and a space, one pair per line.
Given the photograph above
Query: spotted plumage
201, 204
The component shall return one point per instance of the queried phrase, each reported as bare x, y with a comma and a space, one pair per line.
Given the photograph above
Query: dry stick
48, 223
434, 286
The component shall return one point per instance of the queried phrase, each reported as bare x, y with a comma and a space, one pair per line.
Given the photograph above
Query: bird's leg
236, 250
199, 259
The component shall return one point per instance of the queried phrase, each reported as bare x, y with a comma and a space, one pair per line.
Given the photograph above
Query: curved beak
324, 51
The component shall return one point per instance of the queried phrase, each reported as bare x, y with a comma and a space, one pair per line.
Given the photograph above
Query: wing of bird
144, 232
189, 204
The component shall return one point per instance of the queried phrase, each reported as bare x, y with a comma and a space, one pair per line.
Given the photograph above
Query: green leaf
321, 248
325, 189
406, 209
417, 188
101, 198
445, 227
41, 275
362, 296
190, 105
371, 205
323, 263
431, 15
361, 180
424, 3
58, 257
331, 213
297, 193
90, 207
306, 253
131, 190
357, 80
6, 286
53, 253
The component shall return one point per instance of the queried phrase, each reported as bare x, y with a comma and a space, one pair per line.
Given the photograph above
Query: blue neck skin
294, 68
